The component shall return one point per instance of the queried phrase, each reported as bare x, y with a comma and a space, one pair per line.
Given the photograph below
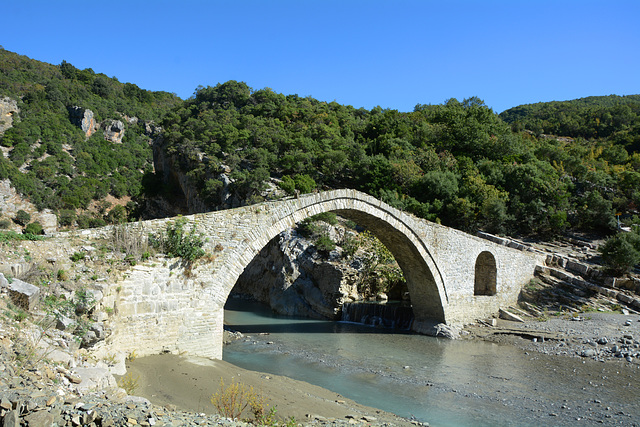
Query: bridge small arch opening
485, 274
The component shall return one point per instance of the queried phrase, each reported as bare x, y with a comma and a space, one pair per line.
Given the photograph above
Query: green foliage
22, 218
328, 217
457, 163
380, 272
176, 241
95, 168
62, 275
8, 236
324, 243
4, 224
66, 217
621, 252
33, 228
77, 256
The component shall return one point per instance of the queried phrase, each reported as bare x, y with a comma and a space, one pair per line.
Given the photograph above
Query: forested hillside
50, 159
458, 163
536, 169
616, 118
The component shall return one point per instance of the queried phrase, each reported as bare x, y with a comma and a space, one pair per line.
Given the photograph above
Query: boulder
93, 379
23, 294
504, 314
291, 277
3, 281
48, 221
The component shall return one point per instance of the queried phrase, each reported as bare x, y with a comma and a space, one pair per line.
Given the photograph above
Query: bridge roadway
453, 277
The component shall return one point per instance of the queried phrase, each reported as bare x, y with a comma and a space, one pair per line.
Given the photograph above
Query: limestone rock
23, 295
113, 131
48, 221
8, 108
446, 331
504, 314
290, 276
94, 378
83, 118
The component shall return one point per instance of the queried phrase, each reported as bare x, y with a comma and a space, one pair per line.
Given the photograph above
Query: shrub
22, 218
66, 217
34, 228
324, 243
307, 228
77, 256
129, 383
62, 275
328, 217
176, 241
231, 401
4, 224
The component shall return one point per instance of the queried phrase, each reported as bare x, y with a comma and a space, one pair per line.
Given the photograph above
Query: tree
621, 252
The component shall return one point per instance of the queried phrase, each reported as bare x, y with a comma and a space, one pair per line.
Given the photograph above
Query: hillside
458, 163
71, 137
81, 144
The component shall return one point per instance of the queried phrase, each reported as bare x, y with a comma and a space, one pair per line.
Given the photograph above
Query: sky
364, 53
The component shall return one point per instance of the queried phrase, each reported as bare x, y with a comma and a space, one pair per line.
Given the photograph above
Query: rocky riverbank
603, 337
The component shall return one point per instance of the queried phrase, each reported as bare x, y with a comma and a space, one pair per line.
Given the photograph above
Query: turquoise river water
439, 381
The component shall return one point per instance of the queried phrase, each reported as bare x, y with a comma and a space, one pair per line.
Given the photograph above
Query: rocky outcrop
292, 277
8, 108
83, 118
11, 202
113, 130
22, 294
170, 169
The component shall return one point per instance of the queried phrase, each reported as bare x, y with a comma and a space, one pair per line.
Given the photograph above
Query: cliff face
8, 108
293, 278
170, 169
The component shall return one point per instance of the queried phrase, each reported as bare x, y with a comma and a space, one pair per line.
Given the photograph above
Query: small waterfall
393, 315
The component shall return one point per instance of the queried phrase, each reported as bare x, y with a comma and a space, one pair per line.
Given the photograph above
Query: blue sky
364, 53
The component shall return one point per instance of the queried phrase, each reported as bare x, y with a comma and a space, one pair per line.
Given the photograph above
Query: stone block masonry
453, 277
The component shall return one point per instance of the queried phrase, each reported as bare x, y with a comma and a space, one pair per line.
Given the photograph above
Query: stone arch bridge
453, 277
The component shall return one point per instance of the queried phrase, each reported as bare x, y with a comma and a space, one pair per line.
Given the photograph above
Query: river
439, 381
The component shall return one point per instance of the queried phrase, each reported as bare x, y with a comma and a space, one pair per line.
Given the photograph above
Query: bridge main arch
393, 228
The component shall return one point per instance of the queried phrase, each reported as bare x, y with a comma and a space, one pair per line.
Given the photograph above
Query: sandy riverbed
188, 383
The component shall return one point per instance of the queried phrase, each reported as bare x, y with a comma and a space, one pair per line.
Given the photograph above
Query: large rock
113, 131
8, 108
48, 221
83, 118
23, 294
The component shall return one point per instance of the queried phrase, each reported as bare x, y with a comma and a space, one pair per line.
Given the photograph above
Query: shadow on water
278, 324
